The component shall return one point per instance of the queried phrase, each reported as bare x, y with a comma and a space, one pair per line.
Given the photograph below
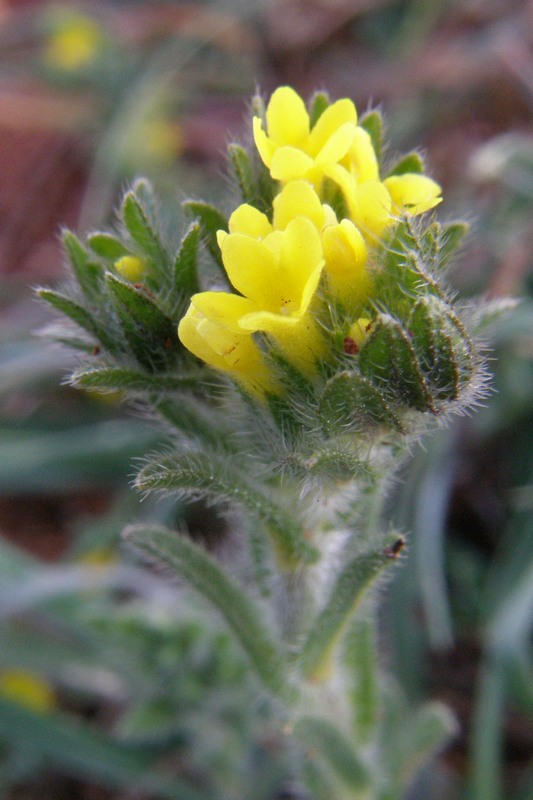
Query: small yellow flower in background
74, 43
131, 268
162, 140
27, 689
291, 149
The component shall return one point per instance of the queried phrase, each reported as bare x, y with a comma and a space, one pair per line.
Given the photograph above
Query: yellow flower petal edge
413, 193
345, 253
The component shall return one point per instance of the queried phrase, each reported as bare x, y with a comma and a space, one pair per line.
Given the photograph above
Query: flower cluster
287, 265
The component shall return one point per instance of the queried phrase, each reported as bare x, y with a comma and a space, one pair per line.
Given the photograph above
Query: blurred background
93, 94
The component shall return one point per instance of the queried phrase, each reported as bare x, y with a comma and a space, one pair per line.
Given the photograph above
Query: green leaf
243, 171
350, 403
79, 315
335, 749
141, 231
194, 418
410, 163
186, 263
353, 582
122, 379
107, 246
244, 618
151, 335
88, 274
451, 238
200, 474
419, 737
211, 220
318, 104
372, 122
72, 746
388, 359
361, 669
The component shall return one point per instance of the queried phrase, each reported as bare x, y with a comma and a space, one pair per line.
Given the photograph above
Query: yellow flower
74, 44
223, 348
130, 267
291, 149
27, 689
277, 274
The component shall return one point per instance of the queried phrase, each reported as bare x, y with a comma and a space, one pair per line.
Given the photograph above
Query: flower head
130, 267
291, 148
74, 43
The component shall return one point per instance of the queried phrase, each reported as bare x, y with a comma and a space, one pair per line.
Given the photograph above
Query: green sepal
351, 585
317, 105
211, 220
241, 164
80, 316
335, 749
409, 163
141, 230
107, 246
151, 335
194, 419
212, 477
388, 359
351, 403
372, 122
186, 280
333, 465
244, 618
433, 343
88, 274
440, 242
119, 379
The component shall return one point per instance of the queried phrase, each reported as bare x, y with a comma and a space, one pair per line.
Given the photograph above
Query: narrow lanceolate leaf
351, 585
420, 737
120, 378
361, 669
142, 232
79, 315
107, 246
334, 748
243, 617
88, 274
389, 360
194, 419
151, 335
80, 751
242, 168
411, 162
202, 475
211, 220
186, 262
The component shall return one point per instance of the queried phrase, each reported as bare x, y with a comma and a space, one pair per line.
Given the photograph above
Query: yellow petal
233, 353
301, 265
223, 308
370, 208
414, 193
329, 122
287, 118
265, 146
297, 199
290, 164
249, 220
251, 268
363, 162
345, 253
27, 689
337, 145
299, 338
